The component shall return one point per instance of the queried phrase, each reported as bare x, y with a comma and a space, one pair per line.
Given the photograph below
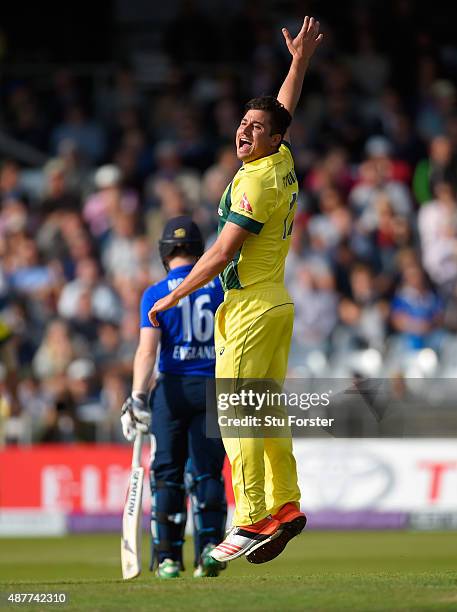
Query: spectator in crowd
379, 234
335, 212
128, 342
169, 167
32, 278
9, 404
14, 219
84, 396
416, 312
107, 349
437, 222
439, 166
77, 171
118, 252
111, 198
331, 170
113, 393
363, 314
56, 351
55, 208
105, 304
57, 196
83, 323
376, 175
437, 106
171, 202
17, 315
38, 407
9, 181
88, 135
316, 306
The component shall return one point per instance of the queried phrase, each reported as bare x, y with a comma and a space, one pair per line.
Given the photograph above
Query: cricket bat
131, 519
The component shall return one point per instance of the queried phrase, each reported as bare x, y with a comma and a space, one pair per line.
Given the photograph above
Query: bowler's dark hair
280, 116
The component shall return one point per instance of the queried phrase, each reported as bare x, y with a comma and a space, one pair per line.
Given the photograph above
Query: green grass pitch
318, 571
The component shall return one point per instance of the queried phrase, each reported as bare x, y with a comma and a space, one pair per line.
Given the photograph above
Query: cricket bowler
254, 324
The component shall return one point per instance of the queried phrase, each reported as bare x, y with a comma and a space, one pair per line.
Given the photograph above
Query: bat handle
136, 457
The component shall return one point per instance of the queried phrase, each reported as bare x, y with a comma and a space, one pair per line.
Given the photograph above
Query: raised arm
301, 49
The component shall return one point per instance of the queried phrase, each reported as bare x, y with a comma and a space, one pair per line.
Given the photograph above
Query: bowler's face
253, 137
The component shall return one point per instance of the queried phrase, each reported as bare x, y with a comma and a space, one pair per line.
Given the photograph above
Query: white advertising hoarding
384, 475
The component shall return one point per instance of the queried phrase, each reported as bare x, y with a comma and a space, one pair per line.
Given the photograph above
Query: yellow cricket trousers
253, 330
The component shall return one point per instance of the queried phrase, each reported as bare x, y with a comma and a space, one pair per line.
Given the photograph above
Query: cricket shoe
240, 540
168, 569
292, 524
208, 567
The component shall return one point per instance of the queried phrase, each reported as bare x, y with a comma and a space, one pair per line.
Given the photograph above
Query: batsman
185, 463
254, 323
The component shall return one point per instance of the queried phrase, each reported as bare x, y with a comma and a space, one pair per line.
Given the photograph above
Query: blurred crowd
373, 261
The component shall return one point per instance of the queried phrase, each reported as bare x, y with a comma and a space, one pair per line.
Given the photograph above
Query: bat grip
136, 457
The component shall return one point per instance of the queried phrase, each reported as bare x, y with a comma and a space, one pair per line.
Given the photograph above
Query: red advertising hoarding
70, 479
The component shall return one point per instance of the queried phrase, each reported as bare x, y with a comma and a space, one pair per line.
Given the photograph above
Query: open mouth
244, 145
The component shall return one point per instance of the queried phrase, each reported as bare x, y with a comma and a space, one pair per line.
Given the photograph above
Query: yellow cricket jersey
5, 332
261, 198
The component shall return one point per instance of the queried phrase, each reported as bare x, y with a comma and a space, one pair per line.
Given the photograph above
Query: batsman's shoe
208, 567
168, 569
292, 523
240, 540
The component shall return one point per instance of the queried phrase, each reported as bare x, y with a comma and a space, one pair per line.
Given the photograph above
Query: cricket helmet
180, 232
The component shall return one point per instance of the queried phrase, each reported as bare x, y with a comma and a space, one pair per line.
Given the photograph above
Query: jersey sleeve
286, 151
5, 332
148, 300
252, 203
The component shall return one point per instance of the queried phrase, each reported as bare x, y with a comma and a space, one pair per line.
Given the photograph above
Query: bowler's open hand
307, 40
163, 304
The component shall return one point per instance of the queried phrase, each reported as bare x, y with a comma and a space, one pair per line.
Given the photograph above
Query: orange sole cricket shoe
240, 540
292, 524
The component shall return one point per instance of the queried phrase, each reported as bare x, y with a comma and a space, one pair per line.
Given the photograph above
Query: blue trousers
186, 462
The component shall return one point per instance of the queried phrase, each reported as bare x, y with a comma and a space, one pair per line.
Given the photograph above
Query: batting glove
135, 416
